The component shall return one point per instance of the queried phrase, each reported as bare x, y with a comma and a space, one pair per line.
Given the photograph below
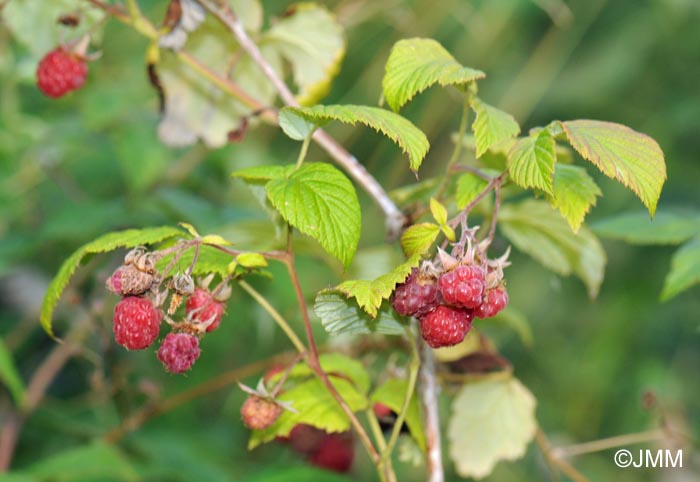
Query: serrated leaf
535, 228
341, 316
312, 40
295, 126
370, 293
210, 260
251, 260
531, 161
633, 158
438, 211
685, 269
262, 174
408, 137
108, 242
491, 126
392, 393
667, 227
315, 406
320, 202
469, 187
418, 239
9, 376
418, 63
491, 420
335, 364
574, 193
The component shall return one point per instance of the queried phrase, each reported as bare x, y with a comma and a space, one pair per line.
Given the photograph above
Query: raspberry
129, 280
259, 413
60, 72
464, 286
416, 296
114, 282
445, 326
381, 410
495, 300
178, 352
136, 323
304, 439
335, 453
209, 308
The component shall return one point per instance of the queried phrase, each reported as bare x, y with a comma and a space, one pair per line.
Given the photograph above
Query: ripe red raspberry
259, 413
416, 296
178, 352
136, 322
60, 72
203, 299
446, 326
495, 300
464, 286
335, 453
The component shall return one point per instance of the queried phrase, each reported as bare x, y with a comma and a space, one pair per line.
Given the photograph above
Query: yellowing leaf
251, 260
491, 126
438, 211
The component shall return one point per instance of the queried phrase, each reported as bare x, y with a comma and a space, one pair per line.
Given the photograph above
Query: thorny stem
457, 149
428, 391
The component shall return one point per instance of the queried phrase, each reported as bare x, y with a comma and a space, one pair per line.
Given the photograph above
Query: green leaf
295, 126
418, 239
392, 393
491, 126
574, 193
531, 161
370, 293
321, 202
418, 63
210, 260
469, 187
262, 174
408, 137
491, 421
335, 364
315, 406
667, 227
685, 269
251, 260
119, 239
9, 375
341, 316
290, 473
517, 321
411, 193
634, 159
438, 211
311, 39
536, 229
249, 12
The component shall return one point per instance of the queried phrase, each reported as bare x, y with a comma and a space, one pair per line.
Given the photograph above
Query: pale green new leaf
315, 406
418, 239
491, 420
408, 137
531, 161
468, 187
574, 193
418, 63
295, 126
392, 393
438, 211
251, 260
340, 315
634, 159
491, 126
108, 242
667, 227
312, 40
535, 228
370, 293
685, 269
9, 376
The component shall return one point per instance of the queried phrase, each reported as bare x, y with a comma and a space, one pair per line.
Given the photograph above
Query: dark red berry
259, 413
305, 439
136, 323
463, 286
60, 72
335, 453
416, 296
208, 307
495, 300
178, 352
446, 326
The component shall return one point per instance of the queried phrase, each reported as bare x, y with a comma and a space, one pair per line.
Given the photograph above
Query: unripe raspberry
446, 326
416, 296
495, 300
136, 323
464, 286
208, 307
259, 413
60, 72
129, 280
335, 453
178, 352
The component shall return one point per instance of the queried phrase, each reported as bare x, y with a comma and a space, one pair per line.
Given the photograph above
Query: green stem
275, 315
304, 150
457, 149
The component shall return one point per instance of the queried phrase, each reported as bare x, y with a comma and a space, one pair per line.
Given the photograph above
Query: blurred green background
73, 169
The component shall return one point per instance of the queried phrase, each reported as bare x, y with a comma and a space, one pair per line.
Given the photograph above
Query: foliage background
75, 168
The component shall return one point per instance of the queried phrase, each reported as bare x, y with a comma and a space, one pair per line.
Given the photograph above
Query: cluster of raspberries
138, 316
445, 301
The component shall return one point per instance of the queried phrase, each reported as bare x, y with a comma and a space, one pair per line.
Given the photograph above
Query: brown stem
428, 392
462, 216
565, 467
609, 443
496, 207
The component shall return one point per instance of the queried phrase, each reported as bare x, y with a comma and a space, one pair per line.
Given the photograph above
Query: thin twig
609, 443
561, 464
462, 216
428, 391
496, 208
